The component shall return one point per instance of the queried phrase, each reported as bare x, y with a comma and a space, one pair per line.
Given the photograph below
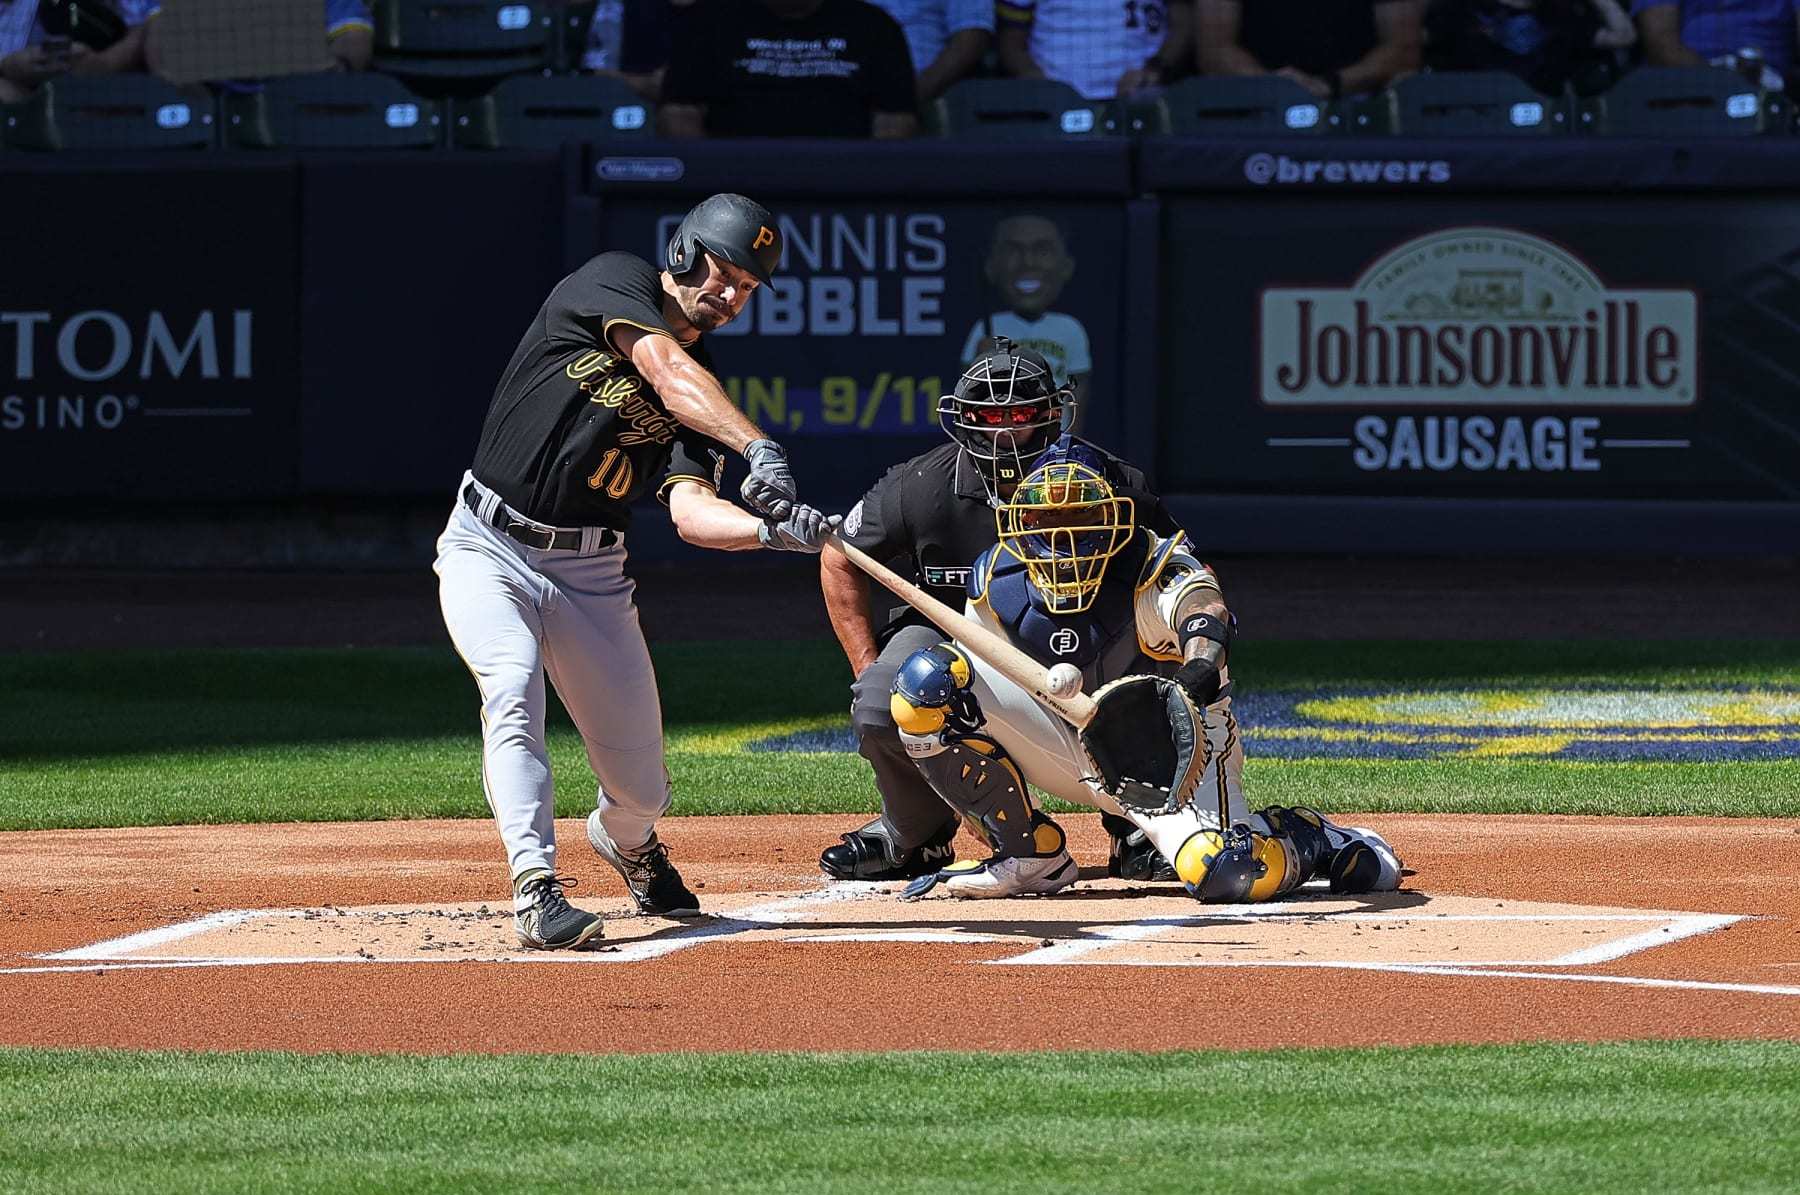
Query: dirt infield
397, 936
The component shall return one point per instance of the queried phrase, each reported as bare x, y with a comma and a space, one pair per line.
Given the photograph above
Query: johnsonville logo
1479, 315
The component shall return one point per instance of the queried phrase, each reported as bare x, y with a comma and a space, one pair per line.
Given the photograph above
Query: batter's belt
533, 535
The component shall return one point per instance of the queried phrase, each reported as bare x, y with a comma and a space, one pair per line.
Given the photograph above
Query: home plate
1105, 922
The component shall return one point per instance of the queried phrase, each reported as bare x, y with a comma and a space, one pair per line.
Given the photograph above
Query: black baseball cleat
543, 920
655, 885
1131, 855
863, 855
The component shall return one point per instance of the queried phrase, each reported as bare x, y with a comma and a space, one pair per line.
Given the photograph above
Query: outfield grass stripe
1711, 1116
160, 738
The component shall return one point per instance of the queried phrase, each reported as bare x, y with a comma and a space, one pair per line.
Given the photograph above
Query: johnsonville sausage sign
1479, 316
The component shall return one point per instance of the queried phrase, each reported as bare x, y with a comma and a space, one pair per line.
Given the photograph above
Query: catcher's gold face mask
1065, 523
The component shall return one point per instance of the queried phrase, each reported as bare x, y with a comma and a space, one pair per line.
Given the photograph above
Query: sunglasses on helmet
1023, 415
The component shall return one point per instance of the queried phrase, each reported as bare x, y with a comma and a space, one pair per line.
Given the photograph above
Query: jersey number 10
613, 475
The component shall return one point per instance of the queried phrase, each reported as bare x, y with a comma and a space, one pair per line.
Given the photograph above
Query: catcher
1074, 580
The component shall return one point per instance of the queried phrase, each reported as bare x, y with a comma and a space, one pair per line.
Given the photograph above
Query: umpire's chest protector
1102, 640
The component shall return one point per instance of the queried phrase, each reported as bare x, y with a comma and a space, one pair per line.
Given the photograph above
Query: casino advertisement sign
1474, 358
878, 306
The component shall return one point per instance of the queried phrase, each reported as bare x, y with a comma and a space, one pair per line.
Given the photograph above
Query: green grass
146, 738
1688, 1116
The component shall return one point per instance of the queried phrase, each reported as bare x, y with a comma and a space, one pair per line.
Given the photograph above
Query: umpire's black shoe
1132, 856
863, 855
654, 883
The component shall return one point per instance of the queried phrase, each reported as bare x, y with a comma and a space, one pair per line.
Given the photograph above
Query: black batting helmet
731, 228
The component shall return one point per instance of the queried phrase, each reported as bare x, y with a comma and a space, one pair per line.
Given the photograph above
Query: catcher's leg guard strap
975, 777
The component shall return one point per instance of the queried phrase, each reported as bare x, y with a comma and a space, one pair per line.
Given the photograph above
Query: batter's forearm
706, 520
695, 398
846, 593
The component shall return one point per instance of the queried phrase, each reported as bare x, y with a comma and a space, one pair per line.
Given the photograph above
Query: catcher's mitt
1146, 743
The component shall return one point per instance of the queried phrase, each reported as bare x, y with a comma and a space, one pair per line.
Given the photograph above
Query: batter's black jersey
575, 434
933, 512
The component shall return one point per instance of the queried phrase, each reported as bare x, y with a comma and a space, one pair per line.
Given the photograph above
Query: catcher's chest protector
1102, 640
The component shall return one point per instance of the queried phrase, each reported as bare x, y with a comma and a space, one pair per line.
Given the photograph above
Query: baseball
1064, 680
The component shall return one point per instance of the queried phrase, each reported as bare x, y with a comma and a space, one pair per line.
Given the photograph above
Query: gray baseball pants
517, 613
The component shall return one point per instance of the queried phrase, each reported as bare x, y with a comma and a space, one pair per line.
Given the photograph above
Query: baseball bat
993, 648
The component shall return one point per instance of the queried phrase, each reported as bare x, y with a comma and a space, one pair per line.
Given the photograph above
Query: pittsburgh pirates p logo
764, 236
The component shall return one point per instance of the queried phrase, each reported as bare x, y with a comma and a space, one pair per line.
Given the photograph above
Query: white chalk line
127, 952
131, 944
124, 953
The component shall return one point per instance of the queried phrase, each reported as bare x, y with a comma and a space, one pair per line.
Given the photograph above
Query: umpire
934, 514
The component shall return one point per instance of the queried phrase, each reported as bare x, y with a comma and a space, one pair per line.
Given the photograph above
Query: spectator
349, 32
1099, 47
1697, 32
1329, 47
1545, 42
947, 39
789, 68
31, 54
631, 42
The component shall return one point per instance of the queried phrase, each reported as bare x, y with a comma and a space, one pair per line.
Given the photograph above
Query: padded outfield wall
1348, 345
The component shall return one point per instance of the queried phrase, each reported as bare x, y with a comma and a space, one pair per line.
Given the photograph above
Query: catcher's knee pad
974, 776
1220, 868
931, 694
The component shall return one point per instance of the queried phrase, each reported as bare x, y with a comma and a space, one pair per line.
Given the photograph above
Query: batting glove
803, 531
770, 488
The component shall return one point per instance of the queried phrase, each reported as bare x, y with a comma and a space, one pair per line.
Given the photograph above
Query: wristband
1204, 626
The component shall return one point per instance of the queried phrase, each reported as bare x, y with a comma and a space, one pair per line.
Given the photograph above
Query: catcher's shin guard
1351, 858
1047, 870
938, 718
976, 777
1238, 867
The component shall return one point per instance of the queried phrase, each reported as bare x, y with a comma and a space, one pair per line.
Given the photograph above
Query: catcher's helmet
1005, 410
1065, 523
731, 228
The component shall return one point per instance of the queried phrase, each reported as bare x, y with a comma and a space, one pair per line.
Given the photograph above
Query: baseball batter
1074, 580
609, 397
935, 513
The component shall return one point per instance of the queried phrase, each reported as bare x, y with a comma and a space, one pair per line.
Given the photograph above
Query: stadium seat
1701, 101
1018, 109
569, 20
332, 110
1243, 106
461, 47
1463, 104
111, 112
537, 112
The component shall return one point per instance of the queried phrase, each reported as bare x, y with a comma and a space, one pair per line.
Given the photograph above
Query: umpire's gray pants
516, 613
910, 811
